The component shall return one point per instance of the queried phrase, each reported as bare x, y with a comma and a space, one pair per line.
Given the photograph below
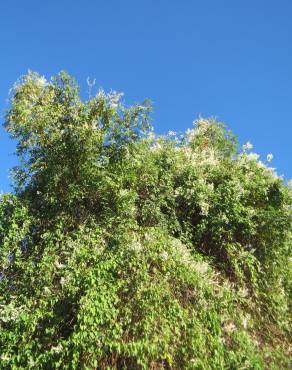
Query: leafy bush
121, 249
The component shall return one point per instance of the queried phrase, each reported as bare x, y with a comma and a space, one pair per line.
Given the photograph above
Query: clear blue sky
229, 59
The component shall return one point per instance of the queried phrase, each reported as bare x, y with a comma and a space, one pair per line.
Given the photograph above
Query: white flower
115, 98
253, 156
151, 136
190, 134
136, 246
100, 94
59, 265
261, 164
290, 183
270, 157
188, 131
245, 322
164, 255
243, 292
58, 348
272, 171
90, 83
41, 81
156, 147
5, 357
204, 208
171, 133
210, 187
247, 146
201, 267
47, 290
229, 327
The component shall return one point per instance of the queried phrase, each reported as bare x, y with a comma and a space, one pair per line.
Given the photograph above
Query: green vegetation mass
122, 249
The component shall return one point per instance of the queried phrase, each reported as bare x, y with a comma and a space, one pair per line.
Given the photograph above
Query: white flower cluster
10, 313
57, 349
201, 267
204, 208
63, 281
5, 357
151, 136
47, 290
156, 147
247, 146
101, 94
171, 133
41, 81
272, 171
207, 157
90, 84
229, 326
115, 98
59, 265
252, 156
190, 134
270, 157
200, 127
136, 246
164, 255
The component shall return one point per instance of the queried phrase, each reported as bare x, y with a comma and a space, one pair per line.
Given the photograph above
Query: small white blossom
57, 349
5, 357
261, 164
188, 131
229, 327
114, 98
247, 146
41, 81
243, 292
147, 237
151, 136
156, 147
171, 133
136, 246
164, 255
245, 322
190, 134
270, 157
253, 156
201, 267
100, 93
59, 265
47, 290
272, 171
90, 83
204, 208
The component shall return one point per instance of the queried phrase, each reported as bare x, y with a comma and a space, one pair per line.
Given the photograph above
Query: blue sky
228, 59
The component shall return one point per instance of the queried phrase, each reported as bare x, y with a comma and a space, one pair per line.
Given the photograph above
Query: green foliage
121, 249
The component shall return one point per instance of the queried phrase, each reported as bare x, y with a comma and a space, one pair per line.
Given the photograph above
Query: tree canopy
123, 249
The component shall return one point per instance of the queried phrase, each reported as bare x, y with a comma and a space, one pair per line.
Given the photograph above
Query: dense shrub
122, 249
